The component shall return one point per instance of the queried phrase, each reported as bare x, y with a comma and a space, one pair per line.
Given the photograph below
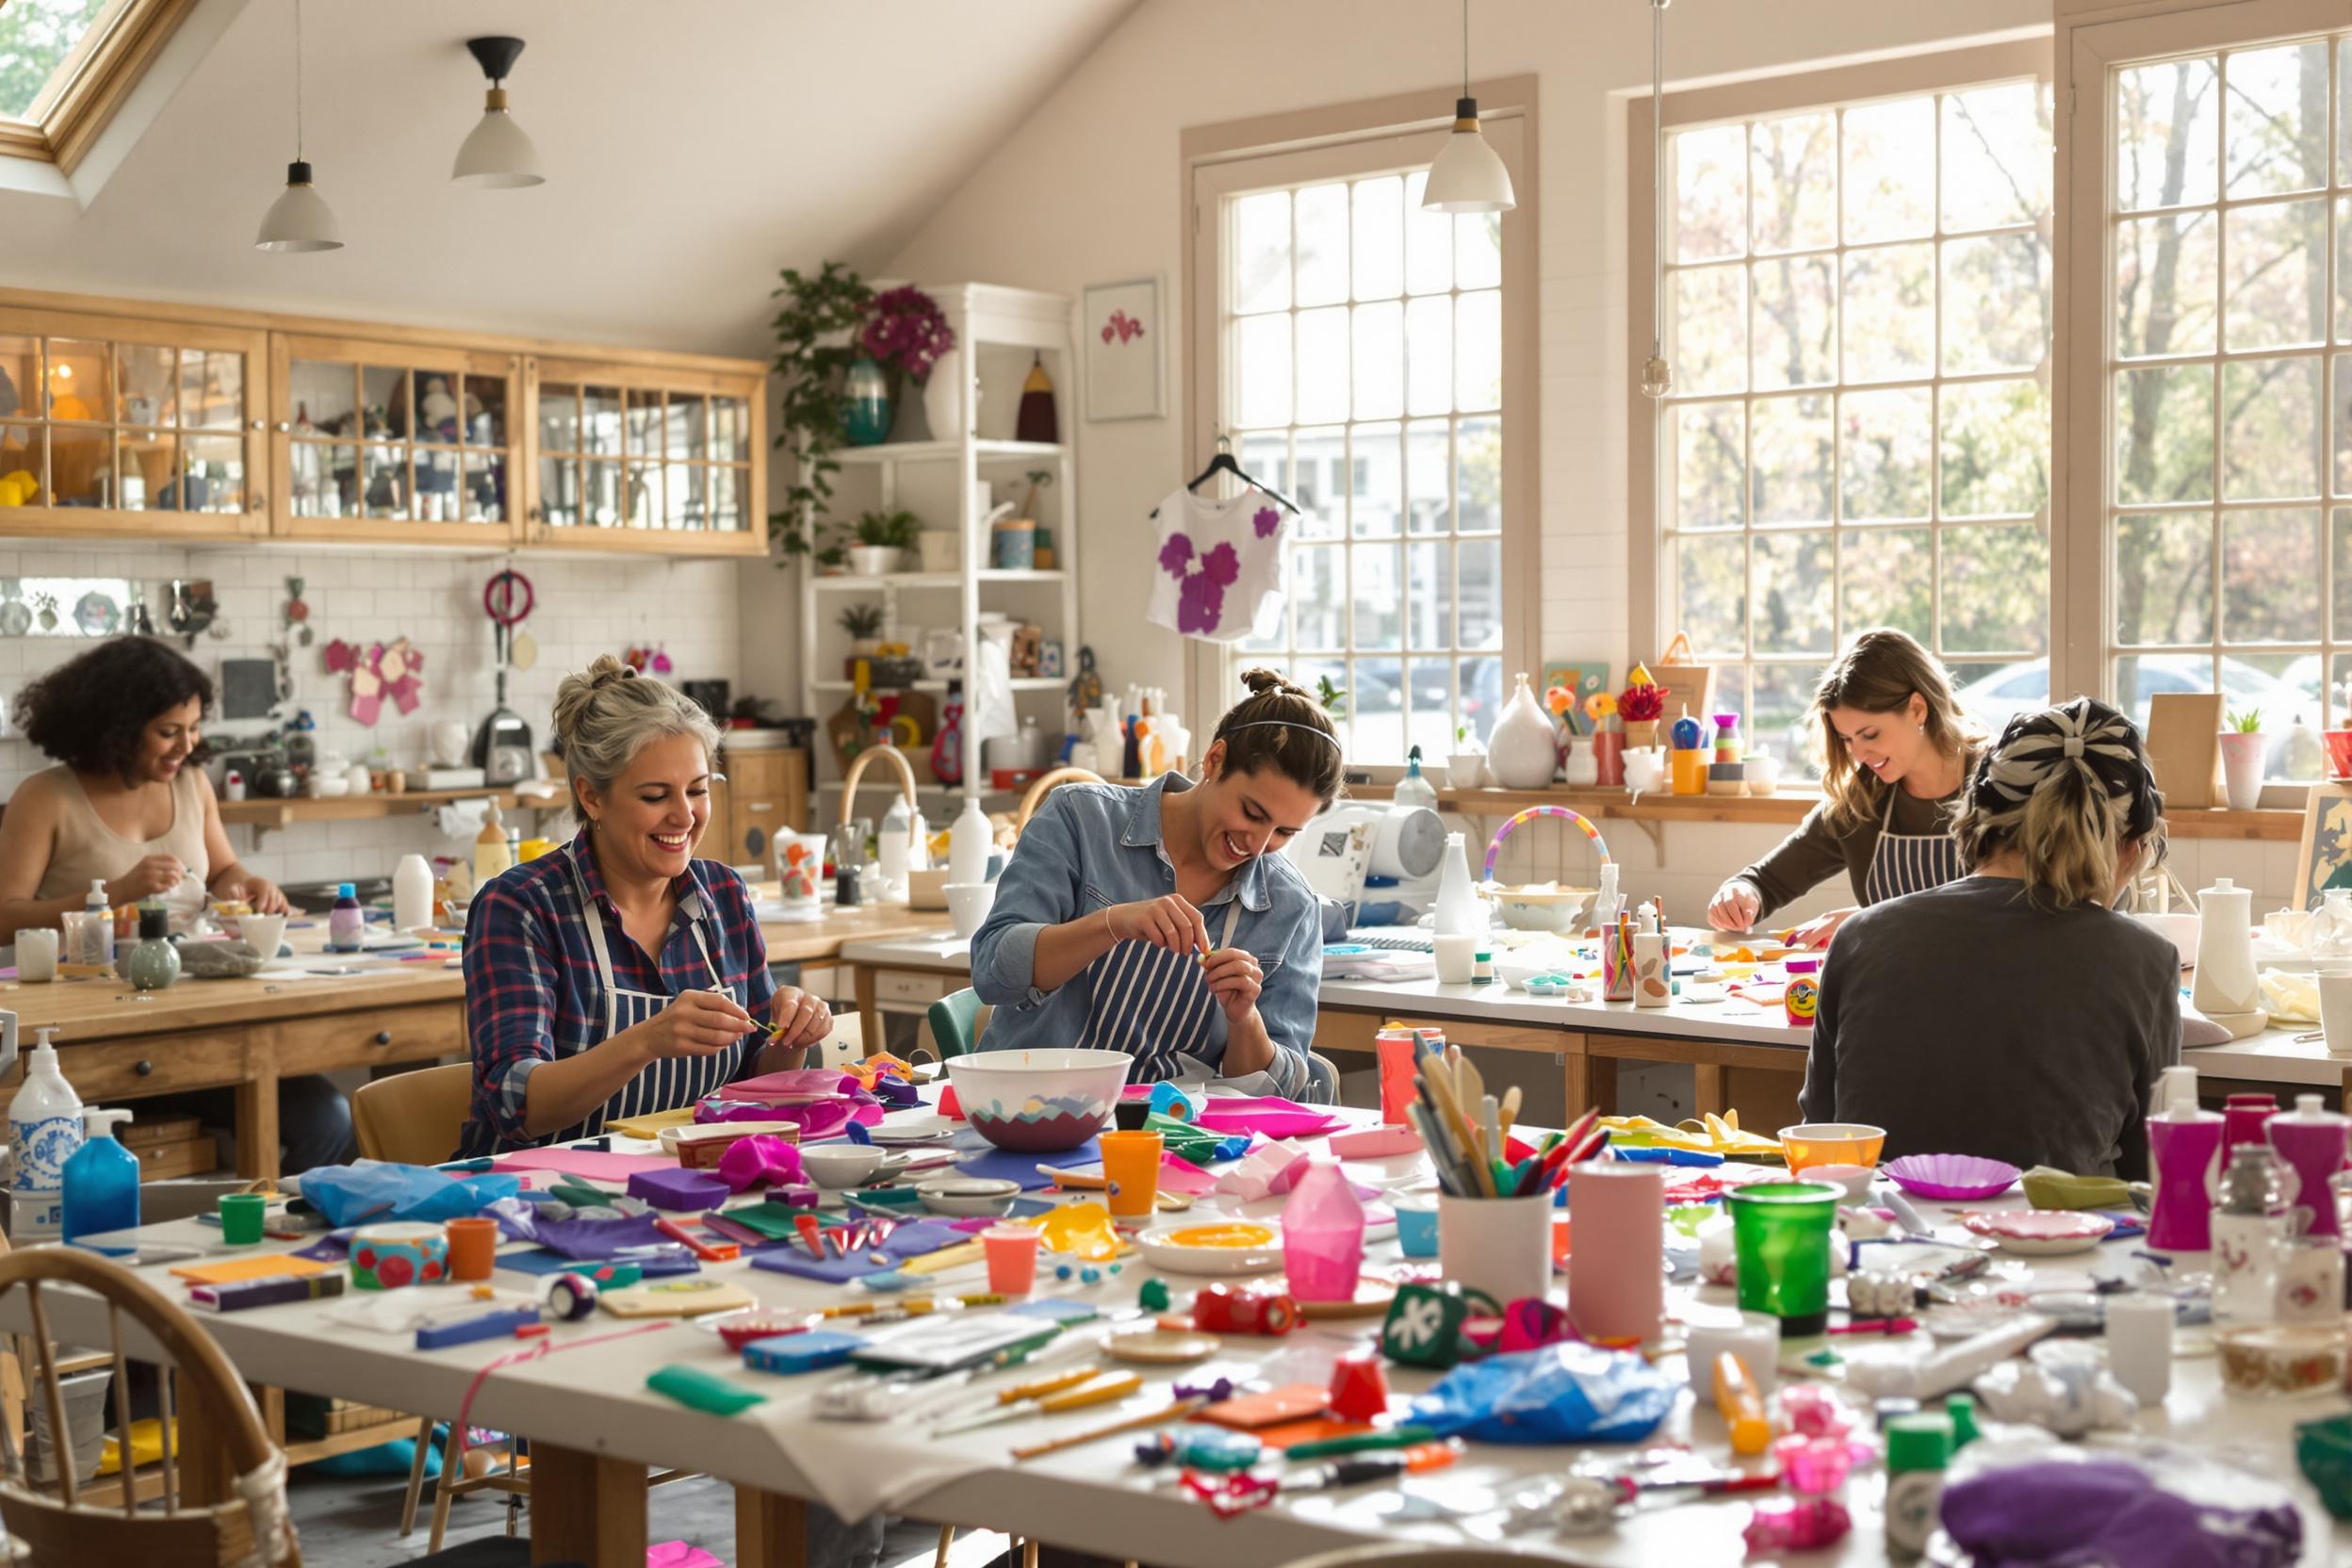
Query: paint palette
1225, 1248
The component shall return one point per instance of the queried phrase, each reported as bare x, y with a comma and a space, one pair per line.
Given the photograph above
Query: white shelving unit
999, 331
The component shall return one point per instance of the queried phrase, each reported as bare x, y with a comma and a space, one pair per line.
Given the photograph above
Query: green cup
1780, 1234
240, 1218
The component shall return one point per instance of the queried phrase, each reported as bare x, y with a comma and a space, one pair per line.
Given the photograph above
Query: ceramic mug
968, 905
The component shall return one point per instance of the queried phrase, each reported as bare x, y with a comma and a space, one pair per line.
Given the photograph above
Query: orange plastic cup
473, 1248
1130, 1163
1012, 1254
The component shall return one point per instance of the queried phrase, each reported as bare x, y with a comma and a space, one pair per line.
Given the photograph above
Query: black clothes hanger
1223, 463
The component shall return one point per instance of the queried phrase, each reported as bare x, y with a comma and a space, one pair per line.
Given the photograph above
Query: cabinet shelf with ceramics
637, 458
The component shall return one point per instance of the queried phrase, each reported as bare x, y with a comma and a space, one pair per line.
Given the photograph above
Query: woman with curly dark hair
129, 804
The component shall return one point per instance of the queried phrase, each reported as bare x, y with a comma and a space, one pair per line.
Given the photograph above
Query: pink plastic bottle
2184, 1150
2310, 1140
2243, 1118
1323, 1236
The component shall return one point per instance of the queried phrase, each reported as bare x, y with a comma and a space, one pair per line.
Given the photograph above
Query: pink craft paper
1271, 1114
799, 1080
680, 1554
593, 1164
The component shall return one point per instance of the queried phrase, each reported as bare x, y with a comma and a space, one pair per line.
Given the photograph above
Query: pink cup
1012, 1254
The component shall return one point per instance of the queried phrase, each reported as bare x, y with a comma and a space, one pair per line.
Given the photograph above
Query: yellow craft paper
650, 1125
146, 1446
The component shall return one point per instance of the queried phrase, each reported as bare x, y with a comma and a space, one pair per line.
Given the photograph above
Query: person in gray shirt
2013, 1013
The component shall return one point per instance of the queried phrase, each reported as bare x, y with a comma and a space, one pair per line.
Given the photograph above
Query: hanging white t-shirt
1217, 572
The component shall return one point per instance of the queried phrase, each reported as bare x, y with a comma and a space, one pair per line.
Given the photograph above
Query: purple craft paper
582, 1241
674, 1189
907, 1241
982, 1158
762, 1157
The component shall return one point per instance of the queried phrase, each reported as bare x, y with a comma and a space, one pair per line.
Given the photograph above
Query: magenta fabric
825, 1120
680, 1554
763, 1157
1271, 1114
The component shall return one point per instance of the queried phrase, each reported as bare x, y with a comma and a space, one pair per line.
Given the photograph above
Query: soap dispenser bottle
2184, 1150
45, 1130
101, 1181
1414, 790
155, 963
2310, 1141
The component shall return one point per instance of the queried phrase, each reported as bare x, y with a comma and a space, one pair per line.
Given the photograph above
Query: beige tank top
87, 850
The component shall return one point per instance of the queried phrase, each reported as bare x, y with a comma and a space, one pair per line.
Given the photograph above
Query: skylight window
67, 65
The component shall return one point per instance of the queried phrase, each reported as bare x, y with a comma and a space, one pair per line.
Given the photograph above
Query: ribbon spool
1495, 848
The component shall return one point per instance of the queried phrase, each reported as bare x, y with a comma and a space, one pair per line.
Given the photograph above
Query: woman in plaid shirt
620, 976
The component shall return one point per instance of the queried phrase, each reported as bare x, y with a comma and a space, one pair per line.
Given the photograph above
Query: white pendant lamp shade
1468, 175
497, 156
299, 219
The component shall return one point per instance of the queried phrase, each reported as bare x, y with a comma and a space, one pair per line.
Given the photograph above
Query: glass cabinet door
623, 458
114, 419
395, 443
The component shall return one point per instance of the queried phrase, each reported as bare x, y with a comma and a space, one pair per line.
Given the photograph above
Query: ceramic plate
889, 1136
1161, 1346
1230, 1247
1951, 1178
16, 619
2042, 1234
97, 614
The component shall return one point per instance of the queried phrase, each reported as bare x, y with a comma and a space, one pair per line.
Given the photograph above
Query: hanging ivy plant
815, 338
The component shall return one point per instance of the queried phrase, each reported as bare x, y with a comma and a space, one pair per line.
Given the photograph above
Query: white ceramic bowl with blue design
1038, 1102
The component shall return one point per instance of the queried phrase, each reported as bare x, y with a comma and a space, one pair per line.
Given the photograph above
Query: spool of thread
567, 1297
386, 1257
1616, 1278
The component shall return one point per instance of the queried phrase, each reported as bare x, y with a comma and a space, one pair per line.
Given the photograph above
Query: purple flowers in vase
906, 332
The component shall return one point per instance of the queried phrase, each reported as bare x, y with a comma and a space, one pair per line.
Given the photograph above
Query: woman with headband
2013, 1013
1158, 921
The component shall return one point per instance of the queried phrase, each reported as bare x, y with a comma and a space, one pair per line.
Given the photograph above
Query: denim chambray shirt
1093, 845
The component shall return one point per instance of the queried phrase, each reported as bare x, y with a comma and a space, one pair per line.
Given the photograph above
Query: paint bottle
491, 854
1919, 1450
99, 1189
347, 922
969, 840
2310, 1141
45, 1131
1459, 911
2185, 1148
411, 894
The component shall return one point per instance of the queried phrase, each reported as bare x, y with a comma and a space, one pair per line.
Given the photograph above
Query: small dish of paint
1233, 1247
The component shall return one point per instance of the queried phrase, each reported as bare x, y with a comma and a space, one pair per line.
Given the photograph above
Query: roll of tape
568, 1297
386, 1257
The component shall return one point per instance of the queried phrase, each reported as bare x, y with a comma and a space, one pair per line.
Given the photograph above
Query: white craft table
1740, 1055
595, 1429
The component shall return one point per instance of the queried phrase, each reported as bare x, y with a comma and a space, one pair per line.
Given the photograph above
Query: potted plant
903, 333
863, 622
1466, 768
814, 355
883, 538
1639, 707
2242, 760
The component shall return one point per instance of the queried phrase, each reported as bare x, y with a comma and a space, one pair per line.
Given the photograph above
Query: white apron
672, 1081
1908, 862
1152, 1004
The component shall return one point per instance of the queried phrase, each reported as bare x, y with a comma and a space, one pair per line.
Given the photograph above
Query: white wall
586, 606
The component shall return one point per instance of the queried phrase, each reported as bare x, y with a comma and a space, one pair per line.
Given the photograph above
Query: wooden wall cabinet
130, 419
765, 793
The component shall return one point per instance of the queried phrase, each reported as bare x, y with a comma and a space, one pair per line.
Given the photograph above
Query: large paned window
2229, 480
1359, 367
1859, 317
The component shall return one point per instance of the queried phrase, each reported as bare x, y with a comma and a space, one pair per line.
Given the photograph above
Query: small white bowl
841, 1165
1856, 1179
968, 1196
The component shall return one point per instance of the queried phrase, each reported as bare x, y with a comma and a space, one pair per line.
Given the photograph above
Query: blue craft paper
983, 1158
907, 1241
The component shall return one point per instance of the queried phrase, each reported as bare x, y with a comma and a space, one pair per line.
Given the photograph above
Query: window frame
93, 83
2083, 197
1344, 142
1649, 578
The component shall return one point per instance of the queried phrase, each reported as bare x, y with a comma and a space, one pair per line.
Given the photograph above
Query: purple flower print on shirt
1267, 521
1201, 599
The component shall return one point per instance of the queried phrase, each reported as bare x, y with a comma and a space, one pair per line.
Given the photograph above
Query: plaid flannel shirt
532, 991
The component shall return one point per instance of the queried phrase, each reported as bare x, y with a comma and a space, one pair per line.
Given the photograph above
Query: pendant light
1468, 176
497, 155
1657, 376
299, 219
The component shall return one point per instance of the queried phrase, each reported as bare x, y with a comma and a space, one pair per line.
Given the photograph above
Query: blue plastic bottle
101, 1180
347, 922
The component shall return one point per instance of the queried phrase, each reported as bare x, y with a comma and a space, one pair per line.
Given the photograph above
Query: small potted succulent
2242, 760
1466, 768
883, 540
863, 622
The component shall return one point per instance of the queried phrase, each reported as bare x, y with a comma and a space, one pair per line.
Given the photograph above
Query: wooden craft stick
1176, 1412
1509, 1113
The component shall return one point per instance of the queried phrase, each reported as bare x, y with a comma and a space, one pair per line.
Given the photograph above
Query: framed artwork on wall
2324, 859
1126, 348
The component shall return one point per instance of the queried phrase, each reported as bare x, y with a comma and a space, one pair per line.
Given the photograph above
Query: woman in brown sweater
1896, 752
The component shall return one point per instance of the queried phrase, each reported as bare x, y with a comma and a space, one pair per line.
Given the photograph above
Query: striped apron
1152, 1004
1908, 862
672, 1081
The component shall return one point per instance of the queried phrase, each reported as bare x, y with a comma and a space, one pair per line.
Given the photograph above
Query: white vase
2242, 768
1582, 765
1524, 749
872, 559
943, 398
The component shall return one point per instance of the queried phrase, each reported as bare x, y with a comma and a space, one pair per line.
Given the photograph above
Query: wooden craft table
595, 1429
117, 1044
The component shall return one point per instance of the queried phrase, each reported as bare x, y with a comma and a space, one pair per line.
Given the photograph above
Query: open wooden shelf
266, 814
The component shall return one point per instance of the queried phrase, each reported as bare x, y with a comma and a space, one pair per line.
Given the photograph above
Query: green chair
955, 1023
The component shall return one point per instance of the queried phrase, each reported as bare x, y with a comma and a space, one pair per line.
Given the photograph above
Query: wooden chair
413, 1118
224, 1505
957, 1020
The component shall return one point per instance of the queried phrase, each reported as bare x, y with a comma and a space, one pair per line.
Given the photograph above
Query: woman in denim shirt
1157, 921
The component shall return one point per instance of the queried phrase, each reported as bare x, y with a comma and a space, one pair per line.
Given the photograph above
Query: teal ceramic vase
866, 404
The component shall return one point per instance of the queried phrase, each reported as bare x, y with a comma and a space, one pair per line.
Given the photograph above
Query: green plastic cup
1780, 1234
240, 1218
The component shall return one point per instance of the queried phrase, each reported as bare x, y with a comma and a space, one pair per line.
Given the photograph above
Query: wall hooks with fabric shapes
392, 671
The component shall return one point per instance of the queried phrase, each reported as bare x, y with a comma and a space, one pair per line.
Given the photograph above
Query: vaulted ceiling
691, 148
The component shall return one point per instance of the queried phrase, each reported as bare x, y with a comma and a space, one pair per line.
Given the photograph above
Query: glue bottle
100, 1183
347, 922
969, 840
2184, 1150
491, 854
1459, 911
45, 1131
